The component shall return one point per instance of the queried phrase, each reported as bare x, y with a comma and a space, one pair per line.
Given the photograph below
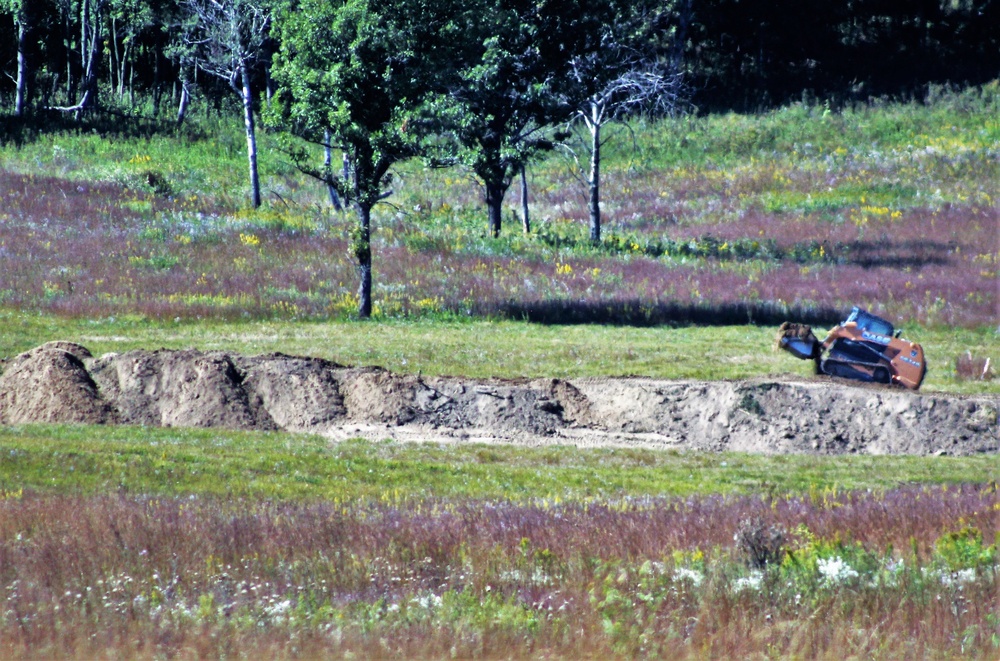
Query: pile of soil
62, 382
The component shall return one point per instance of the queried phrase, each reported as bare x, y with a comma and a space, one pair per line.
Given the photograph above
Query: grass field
506, 349
722, 219
127, 542
192, 543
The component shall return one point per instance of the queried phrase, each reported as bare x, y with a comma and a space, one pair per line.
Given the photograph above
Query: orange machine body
865, 347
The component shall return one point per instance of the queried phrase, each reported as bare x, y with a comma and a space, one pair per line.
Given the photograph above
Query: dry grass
867, 574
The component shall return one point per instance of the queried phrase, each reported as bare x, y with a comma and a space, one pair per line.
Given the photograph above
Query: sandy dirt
63, 382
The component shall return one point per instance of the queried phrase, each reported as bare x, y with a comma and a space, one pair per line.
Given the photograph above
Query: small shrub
973, 368
158, 183
964, 550
760, 544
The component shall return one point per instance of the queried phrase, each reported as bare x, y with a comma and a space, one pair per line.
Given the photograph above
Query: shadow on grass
904, 254
109, 123
639, 313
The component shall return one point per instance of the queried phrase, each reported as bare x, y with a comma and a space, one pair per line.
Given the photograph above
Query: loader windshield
870, 322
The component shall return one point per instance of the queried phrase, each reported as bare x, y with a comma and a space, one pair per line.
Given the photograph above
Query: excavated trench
61, 382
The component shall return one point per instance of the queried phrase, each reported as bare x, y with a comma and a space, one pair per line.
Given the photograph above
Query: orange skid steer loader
864, 348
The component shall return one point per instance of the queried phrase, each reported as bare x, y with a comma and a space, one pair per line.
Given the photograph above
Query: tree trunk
115, 65
90, 48
251, 137
68, 49
185, 100
525, 218
328, 171
363, 251
21, 100
594, 203
495, 191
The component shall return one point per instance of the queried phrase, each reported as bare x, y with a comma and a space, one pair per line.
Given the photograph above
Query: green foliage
508, 89
964, 549
831, 564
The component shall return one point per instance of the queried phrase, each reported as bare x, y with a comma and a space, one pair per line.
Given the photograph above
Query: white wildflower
428, 601
692, 575
958, 578
835, 570
751, 582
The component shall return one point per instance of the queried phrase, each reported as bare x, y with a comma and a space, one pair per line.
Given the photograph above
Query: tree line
737, 55
485, 84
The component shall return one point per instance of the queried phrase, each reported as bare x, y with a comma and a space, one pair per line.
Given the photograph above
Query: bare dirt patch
63, 382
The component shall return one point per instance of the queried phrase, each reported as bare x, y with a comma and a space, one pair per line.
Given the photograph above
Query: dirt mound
178, 389
63, 382
51, 384
299, 394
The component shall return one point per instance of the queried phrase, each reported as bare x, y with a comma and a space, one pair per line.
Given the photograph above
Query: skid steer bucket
798, 340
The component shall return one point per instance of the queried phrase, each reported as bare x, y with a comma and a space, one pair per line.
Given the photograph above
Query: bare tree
228, 39
22, 21
637, 69
650, 86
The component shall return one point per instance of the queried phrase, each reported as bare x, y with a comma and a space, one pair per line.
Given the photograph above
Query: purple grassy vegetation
117, 575
97, 251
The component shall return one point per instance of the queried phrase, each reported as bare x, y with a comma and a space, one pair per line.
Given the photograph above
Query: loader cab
869, 322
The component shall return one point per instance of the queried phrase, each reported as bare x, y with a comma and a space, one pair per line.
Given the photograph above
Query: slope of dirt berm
62, 382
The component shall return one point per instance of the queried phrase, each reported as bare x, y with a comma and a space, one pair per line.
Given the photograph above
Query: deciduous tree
355, 73
21, 11
510, 87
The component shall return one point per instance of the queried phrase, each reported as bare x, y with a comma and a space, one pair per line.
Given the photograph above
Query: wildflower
751, 582
958, 578
685, 574
278, 609
249, 239
835, 570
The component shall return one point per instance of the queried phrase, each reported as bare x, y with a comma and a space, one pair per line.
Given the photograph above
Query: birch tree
20, 10
228, 37
635, 70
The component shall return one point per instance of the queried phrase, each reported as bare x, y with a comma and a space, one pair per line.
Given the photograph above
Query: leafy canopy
361, 70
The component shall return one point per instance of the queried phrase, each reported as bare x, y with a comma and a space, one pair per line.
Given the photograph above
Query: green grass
219, 463
506, 349
206, 157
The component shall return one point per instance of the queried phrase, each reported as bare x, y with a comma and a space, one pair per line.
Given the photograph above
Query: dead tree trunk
525, 218
247, 95
21, 100
594, 182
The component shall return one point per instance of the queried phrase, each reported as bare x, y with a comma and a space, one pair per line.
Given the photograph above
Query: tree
128, 19
91, 22
20, 10
354, 73
228, 37
631, 72
510, 90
